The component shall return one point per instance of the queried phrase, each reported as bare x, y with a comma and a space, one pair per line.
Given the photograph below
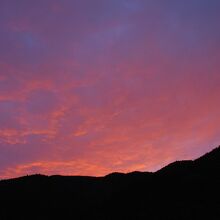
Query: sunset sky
89, 87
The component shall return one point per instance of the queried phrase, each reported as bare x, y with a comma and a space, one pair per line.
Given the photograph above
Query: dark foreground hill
181, 190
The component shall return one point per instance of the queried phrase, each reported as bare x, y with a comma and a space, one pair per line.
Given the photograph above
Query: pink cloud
91, 88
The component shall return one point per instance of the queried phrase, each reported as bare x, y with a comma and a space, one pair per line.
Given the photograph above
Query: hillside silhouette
181, 190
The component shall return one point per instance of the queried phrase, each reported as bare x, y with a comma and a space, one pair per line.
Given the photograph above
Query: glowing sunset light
94, 87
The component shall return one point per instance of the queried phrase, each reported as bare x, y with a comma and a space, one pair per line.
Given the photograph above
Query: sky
94, 87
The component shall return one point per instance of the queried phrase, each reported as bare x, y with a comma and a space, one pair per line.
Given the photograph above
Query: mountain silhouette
181, 190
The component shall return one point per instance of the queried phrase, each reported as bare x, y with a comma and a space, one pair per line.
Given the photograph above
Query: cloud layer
92, 87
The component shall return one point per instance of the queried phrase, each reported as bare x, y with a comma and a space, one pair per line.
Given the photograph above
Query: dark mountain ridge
181, 190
